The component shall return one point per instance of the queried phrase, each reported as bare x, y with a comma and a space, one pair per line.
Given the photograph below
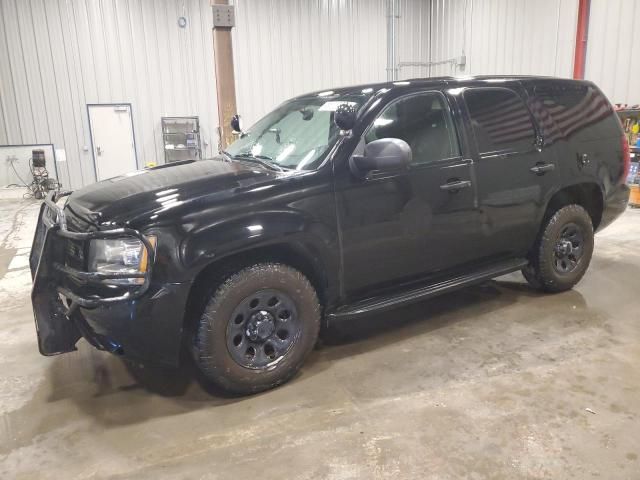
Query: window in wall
500, 120
424, 122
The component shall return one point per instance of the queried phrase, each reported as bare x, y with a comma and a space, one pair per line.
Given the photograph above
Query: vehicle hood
139, 195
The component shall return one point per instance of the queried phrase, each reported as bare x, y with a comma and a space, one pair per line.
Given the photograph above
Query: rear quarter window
578, 112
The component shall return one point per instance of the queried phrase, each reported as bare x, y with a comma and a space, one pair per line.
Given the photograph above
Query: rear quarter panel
577, 119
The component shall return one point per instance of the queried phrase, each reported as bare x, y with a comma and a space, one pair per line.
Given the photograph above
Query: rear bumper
143, 323
614, 205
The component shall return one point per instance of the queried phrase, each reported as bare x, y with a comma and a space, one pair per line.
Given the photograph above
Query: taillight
626, 159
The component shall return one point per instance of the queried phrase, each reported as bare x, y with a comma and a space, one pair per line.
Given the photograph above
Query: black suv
335, 205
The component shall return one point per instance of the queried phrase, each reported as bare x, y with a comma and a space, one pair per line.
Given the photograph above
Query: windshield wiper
261, 159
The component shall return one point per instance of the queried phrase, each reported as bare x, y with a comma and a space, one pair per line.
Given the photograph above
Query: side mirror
386, 154
345, 116
236, 124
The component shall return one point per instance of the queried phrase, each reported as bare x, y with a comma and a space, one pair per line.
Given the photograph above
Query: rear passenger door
514, 171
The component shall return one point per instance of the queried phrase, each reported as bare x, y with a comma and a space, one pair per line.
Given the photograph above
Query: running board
375, 305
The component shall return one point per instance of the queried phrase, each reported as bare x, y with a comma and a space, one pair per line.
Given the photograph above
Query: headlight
119, 255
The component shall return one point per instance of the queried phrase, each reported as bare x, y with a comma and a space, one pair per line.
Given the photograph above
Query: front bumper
69, 302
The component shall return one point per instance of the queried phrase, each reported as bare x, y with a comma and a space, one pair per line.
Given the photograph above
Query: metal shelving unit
181, 138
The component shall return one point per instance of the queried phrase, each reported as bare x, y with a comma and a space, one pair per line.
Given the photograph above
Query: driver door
401, 227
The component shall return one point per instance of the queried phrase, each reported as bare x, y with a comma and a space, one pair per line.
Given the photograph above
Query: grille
74, 254
75, 250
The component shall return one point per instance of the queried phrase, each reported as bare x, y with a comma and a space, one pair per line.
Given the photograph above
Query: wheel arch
588, 195
301, 257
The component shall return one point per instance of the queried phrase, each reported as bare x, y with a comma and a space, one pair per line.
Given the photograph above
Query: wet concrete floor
495, 381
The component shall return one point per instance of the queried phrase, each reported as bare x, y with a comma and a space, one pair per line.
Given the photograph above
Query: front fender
308, 236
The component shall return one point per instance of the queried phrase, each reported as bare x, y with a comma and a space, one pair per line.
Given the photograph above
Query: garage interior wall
59, 55
284, 48
612, 60
517, 37
56, 56
289, 47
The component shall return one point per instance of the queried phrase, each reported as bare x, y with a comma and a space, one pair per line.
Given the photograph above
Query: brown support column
225, 79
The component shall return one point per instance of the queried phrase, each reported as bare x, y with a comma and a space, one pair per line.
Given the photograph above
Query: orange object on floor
634, 198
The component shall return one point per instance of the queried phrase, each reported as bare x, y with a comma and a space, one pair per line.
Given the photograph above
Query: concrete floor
489, 382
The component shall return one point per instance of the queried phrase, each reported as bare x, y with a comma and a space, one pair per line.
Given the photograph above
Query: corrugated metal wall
289, 47
612, 56
413, 37
504, 36
284, 48
58, 55
538, 38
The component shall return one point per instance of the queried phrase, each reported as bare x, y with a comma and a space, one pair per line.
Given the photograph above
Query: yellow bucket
634, 198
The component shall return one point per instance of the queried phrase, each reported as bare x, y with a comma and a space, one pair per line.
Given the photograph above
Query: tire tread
540, 272
218, 374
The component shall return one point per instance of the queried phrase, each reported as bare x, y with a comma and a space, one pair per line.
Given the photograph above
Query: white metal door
114, 149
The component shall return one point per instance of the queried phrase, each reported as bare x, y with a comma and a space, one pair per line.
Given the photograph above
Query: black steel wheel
263, 328
562, 253
569, 249
257, 328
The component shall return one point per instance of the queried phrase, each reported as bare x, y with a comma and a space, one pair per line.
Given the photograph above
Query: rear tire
563, 251
257, 328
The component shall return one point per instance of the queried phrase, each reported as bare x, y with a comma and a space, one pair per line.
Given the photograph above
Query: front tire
563, 251
257, 328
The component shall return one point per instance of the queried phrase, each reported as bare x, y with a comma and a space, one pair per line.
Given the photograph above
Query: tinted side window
575, 109
424, 122
500, 120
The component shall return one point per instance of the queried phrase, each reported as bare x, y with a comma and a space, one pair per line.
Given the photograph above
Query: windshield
296, 135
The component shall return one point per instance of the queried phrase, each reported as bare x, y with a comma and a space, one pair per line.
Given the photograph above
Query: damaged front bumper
61, 293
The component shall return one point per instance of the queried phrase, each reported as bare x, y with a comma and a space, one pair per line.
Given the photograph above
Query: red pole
582, 31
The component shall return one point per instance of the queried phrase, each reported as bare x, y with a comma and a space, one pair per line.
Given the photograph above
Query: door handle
455, 185
542, 168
